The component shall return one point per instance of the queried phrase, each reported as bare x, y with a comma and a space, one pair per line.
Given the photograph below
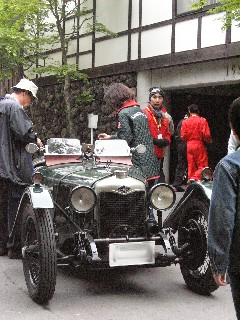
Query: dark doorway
213, 103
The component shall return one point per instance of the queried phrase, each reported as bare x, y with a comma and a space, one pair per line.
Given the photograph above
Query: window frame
210, 5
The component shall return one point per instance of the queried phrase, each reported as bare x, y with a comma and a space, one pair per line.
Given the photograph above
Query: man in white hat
16, 131
25, 88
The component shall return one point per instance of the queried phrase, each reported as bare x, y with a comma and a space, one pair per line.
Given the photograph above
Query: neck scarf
157, 112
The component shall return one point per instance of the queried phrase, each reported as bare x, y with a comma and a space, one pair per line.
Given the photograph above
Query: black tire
39, 253
195, 267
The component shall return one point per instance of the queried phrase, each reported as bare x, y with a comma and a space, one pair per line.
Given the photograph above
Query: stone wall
49, 116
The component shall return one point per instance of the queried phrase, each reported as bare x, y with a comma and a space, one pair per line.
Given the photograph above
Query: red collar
128, 104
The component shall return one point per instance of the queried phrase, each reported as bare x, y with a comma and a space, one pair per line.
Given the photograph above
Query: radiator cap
121, 174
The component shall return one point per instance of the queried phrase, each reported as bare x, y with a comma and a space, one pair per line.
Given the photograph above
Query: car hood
79, 173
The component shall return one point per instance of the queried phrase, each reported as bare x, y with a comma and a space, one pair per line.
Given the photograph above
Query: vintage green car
90, 208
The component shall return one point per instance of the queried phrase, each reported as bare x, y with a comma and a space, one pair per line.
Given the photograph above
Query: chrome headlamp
83, 199
162, 196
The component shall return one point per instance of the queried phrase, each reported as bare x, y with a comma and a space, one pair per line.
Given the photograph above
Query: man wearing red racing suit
195, 131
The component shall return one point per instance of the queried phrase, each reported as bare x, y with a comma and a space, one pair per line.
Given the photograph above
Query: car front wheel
195, 266
39, 253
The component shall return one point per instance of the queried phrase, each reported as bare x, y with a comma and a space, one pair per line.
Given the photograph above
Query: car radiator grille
121, 214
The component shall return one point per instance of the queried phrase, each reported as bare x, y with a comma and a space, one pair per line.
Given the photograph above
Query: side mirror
31, 148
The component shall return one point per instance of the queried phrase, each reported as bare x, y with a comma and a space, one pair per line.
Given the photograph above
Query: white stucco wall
156, 42
85, 61
156, 11
212, 33
135, 14
84, 21
186, 35
113, 14
134, 46
111, 51
72, 47
235, 32
85, 43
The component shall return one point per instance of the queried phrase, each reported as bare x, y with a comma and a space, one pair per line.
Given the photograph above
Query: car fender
39, 197
197, 190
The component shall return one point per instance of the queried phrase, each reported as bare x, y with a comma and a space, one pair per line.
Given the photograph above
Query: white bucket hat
28, 85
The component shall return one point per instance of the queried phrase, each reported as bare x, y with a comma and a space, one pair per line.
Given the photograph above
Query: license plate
131, 253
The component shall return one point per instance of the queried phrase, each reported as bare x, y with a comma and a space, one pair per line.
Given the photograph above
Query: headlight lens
83, 199
162, 196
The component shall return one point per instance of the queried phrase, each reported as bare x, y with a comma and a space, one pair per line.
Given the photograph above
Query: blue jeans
235, 288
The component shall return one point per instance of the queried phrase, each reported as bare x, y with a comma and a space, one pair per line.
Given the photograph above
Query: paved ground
138, 294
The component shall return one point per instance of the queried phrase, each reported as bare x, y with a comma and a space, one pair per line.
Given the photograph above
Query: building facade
165, 43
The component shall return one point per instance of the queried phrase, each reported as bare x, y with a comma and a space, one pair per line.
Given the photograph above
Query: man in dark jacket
133, 127
224, 216
16, 131
182, 159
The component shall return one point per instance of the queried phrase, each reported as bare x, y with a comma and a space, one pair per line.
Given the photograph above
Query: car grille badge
123, 189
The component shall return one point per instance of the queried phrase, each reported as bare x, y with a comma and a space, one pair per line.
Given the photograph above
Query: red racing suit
195, 130
158, 130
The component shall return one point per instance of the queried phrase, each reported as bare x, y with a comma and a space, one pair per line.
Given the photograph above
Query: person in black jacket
16, 131
182, 164
133, 127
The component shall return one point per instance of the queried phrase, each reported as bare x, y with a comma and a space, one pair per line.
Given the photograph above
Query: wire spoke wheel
39, 254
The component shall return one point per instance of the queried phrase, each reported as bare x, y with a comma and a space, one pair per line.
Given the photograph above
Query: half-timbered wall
165, 44
145, 29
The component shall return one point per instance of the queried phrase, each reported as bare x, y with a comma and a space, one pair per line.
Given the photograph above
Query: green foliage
98, 27
62, 71
199, 5
84, 98
26, 30
22, 28
29, 29
231, 9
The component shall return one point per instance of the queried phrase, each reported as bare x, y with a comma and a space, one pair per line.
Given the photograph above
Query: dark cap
155, 90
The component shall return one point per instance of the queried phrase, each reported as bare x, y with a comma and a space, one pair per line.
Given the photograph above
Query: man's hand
220, 279
39, 143
104, 136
